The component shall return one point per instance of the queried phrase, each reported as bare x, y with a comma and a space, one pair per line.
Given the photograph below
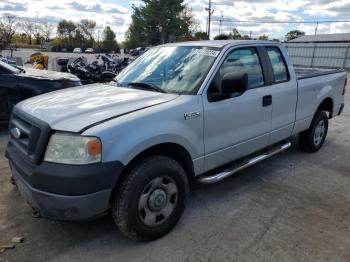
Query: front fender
126, 137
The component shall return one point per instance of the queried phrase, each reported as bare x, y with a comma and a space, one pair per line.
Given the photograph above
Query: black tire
127, 211
307, 139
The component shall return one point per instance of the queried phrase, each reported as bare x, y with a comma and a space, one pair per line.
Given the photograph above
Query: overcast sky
116, 13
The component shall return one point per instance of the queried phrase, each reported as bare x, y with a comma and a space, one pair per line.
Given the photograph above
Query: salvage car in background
94, 72
17, 84
77, 50
89, 51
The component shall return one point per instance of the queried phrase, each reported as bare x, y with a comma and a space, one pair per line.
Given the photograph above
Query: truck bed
304, 72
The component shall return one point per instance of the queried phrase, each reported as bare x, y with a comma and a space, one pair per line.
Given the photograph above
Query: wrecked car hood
76, 108
48, 75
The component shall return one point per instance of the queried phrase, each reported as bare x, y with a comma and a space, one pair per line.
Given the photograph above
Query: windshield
8, 68
169, 69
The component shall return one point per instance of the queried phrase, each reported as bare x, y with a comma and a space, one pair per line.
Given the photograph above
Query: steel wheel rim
158, 201
320, 131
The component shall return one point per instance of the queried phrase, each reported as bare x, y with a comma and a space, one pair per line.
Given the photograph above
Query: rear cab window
280, 71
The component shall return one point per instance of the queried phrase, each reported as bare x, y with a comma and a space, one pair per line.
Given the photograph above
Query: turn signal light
94, 147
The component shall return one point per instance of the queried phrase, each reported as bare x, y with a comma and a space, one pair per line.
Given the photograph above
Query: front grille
29, 135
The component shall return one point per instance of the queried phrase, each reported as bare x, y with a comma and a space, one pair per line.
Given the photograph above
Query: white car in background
89, 51
77, 50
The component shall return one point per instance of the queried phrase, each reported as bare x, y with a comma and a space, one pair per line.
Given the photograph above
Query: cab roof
219, 43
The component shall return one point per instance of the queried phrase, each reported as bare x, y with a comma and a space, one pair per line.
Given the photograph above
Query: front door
238, 125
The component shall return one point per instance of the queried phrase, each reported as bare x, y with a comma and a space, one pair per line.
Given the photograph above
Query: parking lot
292, 207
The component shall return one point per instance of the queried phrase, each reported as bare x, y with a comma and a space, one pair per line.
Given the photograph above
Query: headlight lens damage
73, 149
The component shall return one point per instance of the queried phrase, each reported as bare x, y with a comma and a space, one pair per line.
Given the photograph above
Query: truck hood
75, 109
48, 75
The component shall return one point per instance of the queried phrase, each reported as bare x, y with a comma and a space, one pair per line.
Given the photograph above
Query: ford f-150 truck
184, 111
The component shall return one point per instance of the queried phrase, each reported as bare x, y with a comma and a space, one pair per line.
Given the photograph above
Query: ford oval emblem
16, 132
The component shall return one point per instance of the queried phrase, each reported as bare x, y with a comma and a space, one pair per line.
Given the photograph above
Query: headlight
73, 149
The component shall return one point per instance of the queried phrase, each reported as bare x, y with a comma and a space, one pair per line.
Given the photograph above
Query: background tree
65, 28
235, 34
109, 43
27, 27
263, 37
246, 37
87, 29
8, 28
81, 34
65, 31
200, 36
2, 37
98, 36
222, 37
47, 30
39, 38
139, 32
158, 21
294, 34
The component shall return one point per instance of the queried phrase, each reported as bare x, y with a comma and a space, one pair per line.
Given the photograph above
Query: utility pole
210, 12
316, 28
221, 19
250, 35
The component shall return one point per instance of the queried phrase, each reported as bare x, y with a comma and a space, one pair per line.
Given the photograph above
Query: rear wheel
312, 139
151, 198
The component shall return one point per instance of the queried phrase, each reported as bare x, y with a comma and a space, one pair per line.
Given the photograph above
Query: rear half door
284, 91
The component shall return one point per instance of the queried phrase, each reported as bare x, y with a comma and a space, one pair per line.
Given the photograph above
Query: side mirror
234, 83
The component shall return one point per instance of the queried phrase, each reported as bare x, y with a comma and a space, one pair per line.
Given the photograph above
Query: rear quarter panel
312, 92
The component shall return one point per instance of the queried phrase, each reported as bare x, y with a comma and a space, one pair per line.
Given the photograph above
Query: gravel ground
292, 207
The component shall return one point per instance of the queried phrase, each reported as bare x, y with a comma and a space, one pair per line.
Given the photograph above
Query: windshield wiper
116, 82
145, 86
20, 69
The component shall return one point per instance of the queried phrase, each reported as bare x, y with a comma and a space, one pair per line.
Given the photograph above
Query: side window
279, 67
240, 61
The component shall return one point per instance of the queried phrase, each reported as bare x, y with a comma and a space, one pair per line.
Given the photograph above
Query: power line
281, 22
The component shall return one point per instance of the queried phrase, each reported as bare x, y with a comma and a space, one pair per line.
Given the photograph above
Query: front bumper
61, 207
64, 192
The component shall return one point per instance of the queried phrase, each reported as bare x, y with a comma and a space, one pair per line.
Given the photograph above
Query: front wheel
312, 139
151, 199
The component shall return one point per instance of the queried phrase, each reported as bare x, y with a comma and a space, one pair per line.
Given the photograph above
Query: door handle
267, 100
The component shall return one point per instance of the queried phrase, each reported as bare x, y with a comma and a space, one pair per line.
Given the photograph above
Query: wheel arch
327, 106
172, 150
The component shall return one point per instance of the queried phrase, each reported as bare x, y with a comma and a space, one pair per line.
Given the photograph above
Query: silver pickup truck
180, 112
